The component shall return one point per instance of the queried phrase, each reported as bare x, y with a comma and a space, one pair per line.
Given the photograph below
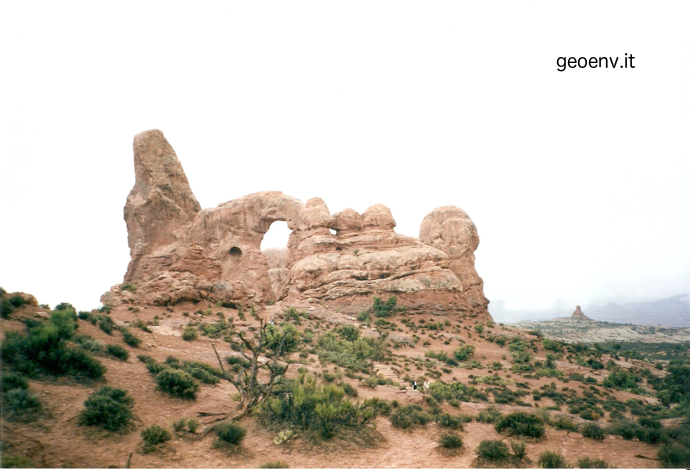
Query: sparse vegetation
593, 431
492, 449
153, 436
108, 408
450, 441
231, 432
117, 351
550, 459
521, 424
177, 383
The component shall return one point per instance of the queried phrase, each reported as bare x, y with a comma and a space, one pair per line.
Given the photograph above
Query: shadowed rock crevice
180, 252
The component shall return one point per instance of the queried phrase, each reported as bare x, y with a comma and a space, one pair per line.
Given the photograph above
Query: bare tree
263, 362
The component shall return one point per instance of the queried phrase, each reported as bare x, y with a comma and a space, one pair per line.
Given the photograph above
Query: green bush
319, 410
489, 415
44, 349
106, 324
492, 449
179, 425
447, 421
674, 455
463, 352
409, 416
117, 351
231, 432
593, 431
620, 379
384, 309
450, 441
109, 408
588, 462
129, 338
177, 383
276, 464
519, 449
521, 424
18, 402
89, 343
550, 459
564, 423
153, 436
10, 381
189, 333
192, 425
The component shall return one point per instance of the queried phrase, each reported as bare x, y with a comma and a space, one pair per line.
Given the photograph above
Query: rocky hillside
142, 386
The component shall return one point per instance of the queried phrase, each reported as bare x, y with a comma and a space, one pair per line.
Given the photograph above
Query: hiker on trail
414, 385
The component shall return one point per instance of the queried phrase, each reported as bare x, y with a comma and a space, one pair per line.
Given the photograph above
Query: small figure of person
414, 385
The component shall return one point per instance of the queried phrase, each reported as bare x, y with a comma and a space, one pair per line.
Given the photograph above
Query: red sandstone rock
180, 252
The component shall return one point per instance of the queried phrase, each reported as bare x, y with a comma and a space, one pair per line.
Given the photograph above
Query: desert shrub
109, 408
189, 333
456, 390
589, 462
117, 351
84, 315
564, 423
550, 459
492, 449
450, 441
128, 286
129, 338
65, 322
591, 414
320, 410
89, 343
12, 381
179, 425
552, 345
448, 421
489, 415
620, 379
18, 403
408, 416
274, 464
463, 352
8, 460
44, 350
231, 432
153, 436
521, 424
17, 301
106, 324
176, 383
348, 332
381, 406
593, 431
192, 425
349, 390
384, 309
674, 455
519, 449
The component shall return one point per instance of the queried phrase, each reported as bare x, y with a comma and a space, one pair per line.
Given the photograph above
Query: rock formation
180, 252
578, 315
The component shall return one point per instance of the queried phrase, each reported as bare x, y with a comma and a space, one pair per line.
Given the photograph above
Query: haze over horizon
576, 180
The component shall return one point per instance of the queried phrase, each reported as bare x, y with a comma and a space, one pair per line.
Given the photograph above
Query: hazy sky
576, 180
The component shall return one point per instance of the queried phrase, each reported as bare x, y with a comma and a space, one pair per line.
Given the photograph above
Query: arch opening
235, 251
277, 236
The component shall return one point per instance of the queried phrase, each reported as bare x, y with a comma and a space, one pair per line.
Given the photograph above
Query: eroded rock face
180, 252
451, 230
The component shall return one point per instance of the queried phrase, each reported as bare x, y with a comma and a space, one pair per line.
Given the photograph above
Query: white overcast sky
576, 180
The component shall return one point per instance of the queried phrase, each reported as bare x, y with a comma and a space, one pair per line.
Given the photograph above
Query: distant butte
180, 252
578, 315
